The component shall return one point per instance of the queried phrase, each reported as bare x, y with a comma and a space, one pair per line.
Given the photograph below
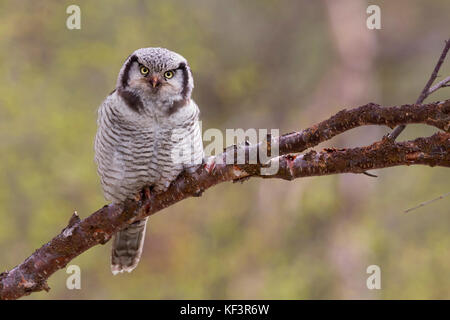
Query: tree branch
80, 235
427, 90
431, 151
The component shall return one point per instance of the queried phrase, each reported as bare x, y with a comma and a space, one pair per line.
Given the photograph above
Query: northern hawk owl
148, 132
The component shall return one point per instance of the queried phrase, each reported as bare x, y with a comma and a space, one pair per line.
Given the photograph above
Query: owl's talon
191, 169
147, 192
144, 194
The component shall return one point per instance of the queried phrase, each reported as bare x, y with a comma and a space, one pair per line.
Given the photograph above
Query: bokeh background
257, 64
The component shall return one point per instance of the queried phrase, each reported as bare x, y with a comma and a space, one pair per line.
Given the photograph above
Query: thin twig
442, 84
427, 202
426, 90
370, 174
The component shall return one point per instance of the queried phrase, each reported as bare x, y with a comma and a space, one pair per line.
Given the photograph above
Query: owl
148, 133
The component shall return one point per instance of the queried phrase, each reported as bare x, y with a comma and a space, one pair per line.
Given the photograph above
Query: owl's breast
131, 156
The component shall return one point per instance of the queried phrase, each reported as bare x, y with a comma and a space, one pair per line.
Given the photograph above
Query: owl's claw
147, 192
190, 169
144, 194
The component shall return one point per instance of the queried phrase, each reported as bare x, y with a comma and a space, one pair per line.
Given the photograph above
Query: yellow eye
168, 74
144, 70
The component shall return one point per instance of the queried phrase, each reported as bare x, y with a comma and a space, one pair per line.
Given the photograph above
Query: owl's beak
155, 81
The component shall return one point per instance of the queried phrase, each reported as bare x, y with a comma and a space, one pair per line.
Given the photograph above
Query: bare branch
423, 204
431, 151
442, 84
426, 90
80, 235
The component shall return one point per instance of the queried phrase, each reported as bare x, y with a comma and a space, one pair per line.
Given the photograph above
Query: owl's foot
191, 168
144, 194
147, 192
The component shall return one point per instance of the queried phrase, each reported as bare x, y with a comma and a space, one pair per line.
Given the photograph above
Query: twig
427, 202
426, 90
442, 84
370, 174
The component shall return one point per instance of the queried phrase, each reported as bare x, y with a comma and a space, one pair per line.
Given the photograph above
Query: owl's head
157, 74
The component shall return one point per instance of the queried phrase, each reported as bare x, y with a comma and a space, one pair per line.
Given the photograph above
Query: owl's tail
127, 247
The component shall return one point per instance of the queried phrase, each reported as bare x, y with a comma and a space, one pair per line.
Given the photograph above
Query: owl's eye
144, 70
168, 74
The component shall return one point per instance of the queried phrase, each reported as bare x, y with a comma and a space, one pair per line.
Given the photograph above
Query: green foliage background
256, 64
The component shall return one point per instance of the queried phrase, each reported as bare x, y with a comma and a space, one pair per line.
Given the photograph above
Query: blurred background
256, 64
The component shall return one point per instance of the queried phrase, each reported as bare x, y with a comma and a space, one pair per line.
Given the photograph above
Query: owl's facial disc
155, 83
156, 77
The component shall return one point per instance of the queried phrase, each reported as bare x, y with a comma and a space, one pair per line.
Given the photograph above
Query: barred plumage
148, 132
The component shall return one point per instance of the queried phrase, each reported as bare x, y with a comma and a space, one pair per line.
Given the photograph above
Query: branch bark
80, 235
